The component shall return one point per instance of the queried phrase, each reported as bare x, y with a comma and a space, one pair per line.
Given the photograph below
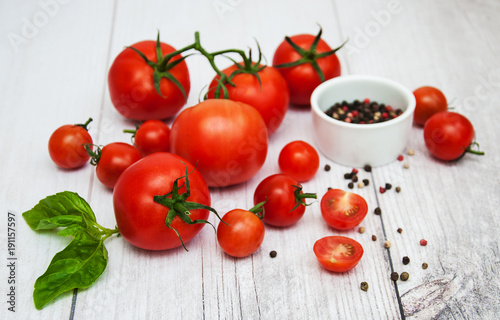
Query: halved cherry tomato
299, 160
241, 234
343, 210
337, 253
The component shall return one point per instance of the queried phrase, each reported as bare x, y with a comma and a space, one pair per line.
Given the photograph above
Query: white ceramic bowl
353, 144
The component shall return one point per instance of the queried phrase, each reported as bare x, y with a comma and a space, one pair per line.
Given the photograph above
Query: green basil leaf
78, 265
60, 210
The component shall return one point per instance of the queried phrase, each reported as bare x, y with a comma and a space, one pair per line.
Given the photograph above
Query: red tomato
132, 86
112, 160
67, 145
430, 100
448, 135
152, 136
226, 139
269, 96
285, 200
337, 253
141, 219
299, 159
302, 79
242, 235
343, 210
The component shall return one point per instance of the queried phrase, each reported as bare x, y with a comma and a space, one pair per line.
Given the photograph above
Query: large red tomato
269, 95
138, 196
227, 140
131, 82
304, 77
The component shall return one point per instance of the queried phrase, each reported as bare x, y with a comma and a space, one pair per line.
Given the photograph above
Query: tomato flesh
343, 210
337, 253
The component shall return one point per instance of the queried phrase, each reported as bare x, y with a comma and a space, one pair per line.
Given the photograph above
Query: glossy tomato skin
115, 158
226, 139
343, 210
299, 160
430, 101
140, 219
243, 234
66, 146
270, 97
337, 253
152, 136
131, 85
279, 192
447, 135
303, 79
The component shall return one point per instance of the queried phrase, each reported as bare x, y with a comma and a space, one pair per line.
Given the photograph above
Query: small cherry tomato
337, 253
67, 145
448, 135
242, 235
151, 136
429, 100
299, 160
112, 160
284, 198
343, 210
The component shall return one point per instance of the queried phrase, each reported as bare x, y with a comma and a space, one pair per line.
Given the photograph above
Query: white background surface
53, 69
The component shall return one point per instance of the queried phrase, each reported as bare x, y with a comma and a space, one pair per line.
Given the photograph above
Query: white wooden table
54, 58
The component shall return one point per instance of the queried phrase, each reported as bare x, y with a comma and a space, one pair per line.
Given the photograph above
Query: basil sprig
85, 258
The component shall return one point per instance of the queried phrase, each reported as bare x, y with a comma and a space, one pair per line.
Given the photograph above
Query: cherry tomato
131, 82
141, 196
151, 136
343, 210
303, 78
430, 100
67, 145
284, 198
448, 135
337, 253
299, 159
112, 160
242, 235
226, 139
269, 95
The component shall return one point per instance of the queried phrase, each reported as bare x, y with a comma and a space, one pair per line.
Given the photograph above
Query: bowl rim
325, 86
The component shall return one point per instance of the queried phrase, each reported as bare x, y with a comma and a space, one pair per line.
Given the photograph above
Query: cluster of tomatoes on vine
160, 184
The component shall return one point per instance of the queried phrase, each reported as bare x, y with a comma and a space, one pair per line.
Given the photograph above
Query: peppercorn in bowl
361, 119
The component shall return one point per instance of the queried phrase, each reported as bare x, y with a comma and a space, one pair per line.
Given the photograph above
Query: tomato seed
423, 242
364, 286
327, 167
406, 260
377, 211
405, 276
394, 276
368, 168
273, 254
425, 265
381, 189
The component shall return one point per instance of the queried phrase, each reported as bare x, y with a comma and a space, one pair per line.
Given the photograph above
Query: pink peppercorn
382, 189
401, 157
423, 242
366, 101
